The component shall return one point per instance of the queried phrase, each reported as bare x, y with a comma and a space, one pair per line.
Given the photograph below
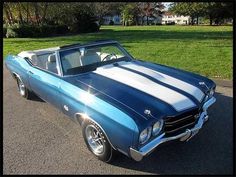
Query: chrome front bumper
189, 133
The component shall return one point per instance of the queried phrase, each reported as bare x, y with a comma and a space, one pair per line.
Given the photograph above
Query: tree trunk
100, 19
192, 20
11, 20
36, 12
123, 19
126, 23
28, 17
136, 21
20, 14
197, 20
211, 21
7, 14
147, 21
27, 12
44, 12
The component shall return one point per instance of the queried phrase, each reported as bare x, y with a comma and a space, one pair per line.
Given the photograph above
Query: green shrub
46, 30
111, 22
27, 31
61, 29
11, 33
23, 30
85, 23
4, 30
18, 30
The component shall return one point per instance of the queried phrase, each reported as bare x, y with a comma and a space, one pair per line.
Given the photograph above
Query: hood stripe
164, 84
164, 78
176, 100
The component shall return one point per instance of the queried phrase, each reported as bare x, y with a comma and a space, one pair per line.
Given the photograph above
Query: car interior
46, 59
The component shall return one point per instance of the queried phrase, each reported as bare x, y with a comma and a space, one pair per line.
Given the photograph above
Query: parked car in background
122, 103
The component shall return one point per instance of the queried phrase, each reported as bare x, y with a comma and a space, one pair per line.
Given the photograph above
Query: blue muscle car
122, 103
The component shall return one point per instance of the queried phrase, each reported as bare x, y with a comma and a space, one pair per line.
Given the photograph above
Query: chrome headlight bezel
157, 127
210, 94
145, 135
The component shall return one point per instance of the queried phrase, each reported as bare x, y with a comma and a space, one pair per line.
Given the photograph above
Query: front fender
120, 128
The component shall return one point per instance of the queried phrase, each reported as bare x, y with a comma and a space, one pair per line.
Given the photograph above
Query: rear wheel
24, 92
96, 141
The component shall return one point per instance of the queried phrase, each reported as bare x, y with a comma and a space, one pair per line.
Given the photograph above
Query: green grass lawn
206, 50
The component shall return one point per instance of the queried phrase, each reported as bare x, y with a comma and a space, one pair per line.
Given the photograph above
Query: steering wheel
109, 55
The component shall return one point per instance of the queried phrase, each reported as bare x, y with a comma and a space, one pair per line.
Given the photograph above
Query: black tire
107, 154
23, 90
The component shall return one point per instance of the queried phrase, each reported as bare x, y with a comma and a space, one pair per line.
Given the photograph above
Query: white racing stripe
177, 83
175, 99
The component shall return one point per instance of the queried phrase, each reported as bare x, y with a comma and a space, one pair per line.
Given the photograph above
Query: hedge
22, 30
4, 31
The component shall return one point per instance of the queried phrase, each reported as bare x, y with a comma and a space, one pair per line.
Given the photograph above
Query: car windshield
87, 58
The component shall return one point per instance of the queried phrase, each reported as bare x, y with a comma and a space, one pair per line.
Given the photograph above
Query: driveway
39, 139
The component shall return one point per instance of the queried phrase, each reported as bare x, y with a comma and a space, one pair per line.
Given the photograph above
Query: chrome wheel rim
21, 87
94, 139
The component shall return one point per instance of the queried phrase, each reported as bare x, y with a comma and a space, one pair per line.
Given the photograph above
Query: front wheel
96, 141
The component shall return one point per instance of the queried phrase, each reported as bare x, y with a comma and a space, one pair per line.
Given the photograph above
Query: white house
115, 18
118, 20
168, 18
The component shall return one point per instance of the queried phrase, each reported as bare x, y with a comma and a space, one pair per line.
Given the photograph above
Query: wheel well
14, 75
79, 118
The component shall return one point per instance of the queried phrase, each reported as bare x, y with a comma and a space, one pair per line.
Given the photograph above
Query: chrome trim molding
188, 134
58, 64
88, 45
15, 75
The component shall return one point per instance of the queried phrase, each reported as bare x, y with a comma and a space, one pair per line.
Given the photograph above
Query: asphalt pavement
39, 139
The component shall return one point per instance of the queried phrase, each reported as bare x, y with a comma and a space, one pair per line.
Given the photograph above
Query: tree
7, 13
150, 9
215, 11
128, 14
102, 9
193, 9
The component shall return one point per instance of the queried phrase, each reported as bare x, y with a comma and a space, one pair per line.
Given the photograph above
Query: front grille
176, 125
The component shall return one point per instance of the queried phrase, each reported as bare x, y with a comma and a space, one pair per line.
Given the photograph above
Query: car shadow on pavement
209, 152
36, 98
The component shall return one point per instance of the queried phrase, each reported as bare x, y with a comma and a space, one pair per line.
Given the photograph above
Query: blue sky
166, 4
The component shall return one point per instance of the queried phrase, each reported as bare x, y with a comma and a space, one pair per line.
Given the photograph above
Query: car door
44, 78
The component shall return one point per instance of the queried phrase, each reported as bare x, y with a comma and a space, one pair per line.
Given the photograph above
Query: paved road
38, 139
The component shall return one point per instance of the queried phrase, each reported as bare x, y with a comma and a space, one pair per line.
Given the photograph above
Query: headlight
145, 135
157, 127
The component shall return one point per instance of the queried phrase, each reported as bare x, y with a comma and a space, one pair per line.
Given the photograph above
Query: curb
223, 83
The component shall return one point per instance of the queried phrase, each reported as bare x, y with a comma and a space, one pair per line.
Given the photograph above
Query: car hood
144, 90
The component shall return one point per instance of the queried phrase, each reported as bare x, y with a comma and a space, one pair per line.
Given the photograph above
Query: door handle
31, 72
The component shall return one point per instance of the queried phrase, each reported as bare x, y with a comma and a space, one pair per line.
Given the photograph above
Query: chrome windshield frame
111, 43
